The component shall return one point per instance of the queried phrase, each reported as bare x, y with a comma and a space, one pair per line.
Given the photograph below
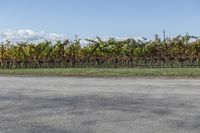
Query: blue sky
90, 18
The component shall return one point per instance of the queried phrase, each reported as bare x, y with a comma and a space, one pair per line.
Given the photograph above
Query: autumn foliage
181, 51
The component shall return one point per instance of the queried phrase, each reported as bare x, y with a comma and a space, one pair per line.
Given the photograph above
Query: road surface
99, 105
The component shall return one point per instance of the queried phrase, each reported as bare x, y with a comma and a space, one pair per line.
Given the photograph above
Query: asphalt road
99, 105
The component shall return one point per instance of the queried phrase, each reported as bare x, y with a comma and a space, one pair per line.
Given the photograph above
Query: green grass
94, 72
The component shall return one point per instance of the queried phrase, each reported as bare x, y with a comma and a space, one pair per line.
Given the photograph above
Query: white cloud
29, 35
106, 38
24, 35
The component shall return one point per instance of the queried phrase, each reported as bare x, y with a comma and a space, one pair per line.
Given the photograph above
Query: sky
37, 19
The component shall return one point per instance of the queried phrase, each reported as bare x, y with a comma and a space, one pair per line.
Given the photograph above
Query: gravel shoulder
99, 105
